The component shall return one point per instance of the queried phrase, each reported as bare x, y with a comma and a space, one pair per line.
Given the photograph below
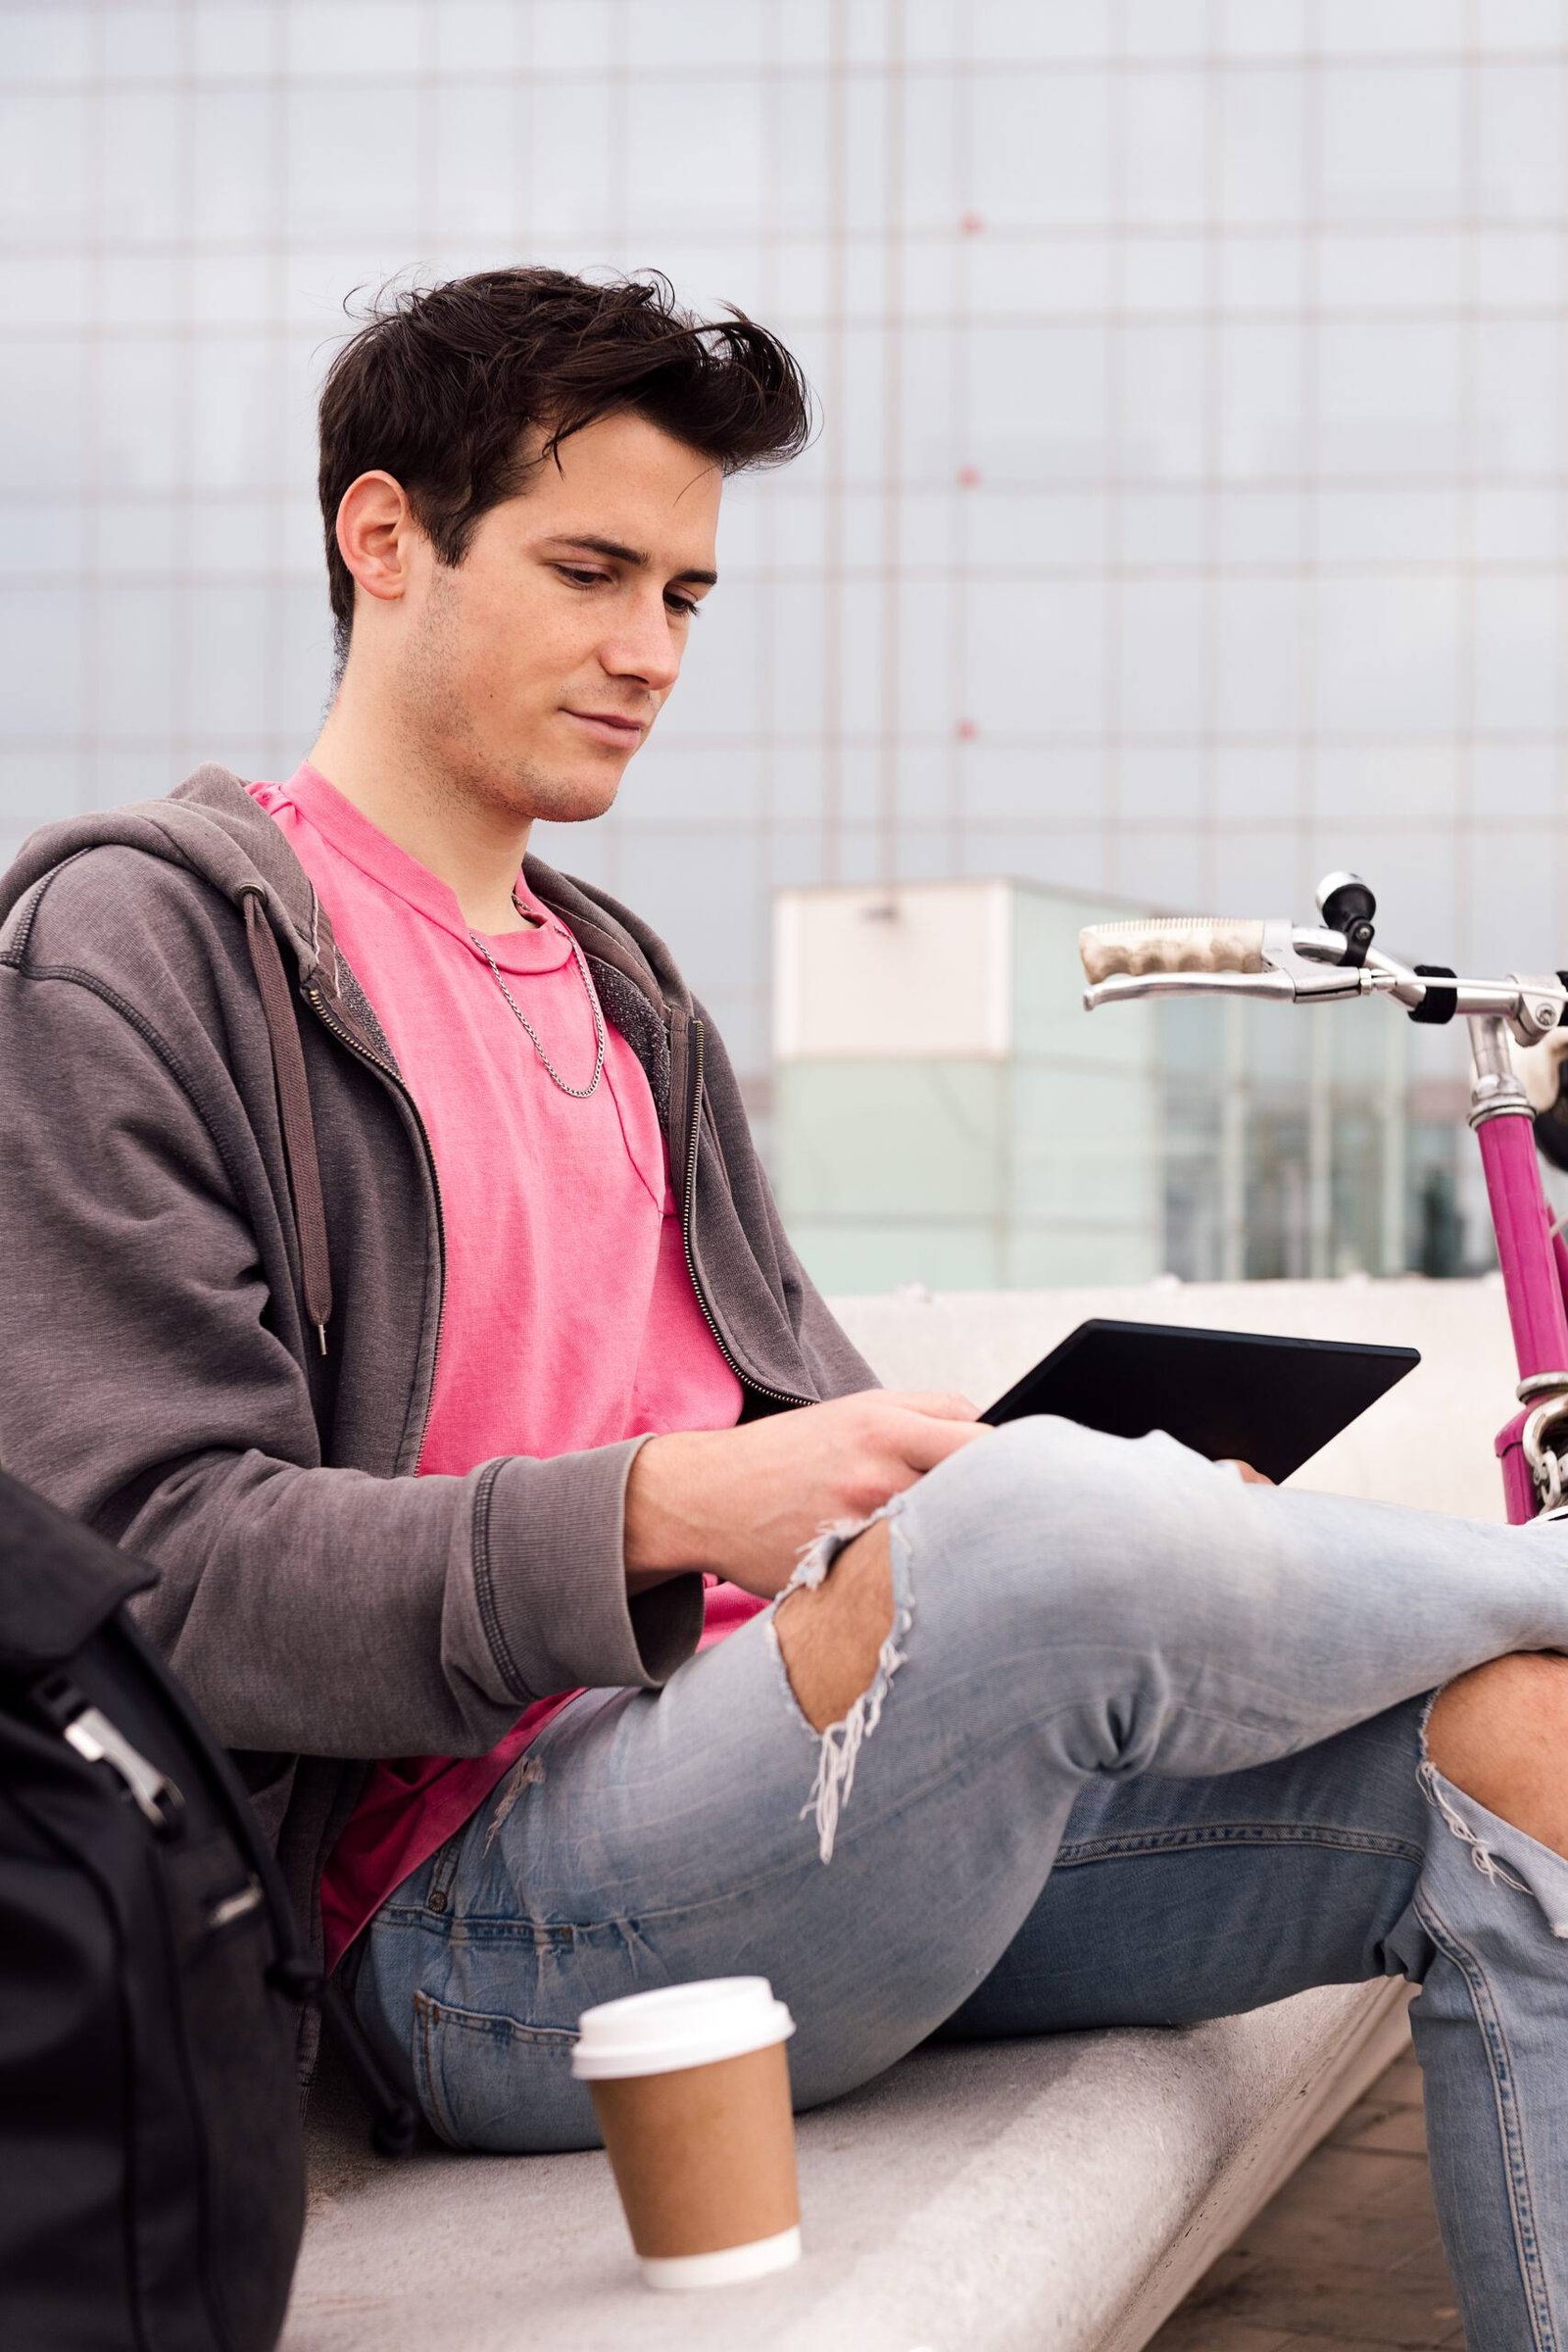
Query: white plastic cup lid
679, 2026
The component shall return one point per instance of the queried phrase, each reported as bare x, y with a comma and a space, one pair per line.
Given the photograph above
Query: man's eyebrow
630, 555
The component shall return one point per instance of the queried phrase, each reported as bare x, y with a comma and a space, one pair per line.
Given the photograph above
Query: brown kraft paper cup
704, 2158
691, 2088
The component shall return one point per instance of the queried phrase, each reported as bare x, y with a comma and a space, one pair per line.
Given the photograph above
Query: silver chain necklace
579, 1094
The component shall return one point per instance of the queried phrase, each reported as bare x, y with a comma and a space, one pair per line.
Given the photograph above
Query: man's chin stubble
554, 799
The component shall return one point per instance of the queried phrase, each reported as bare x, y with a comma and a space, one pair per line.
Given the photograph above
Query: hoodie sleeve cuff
550, 1579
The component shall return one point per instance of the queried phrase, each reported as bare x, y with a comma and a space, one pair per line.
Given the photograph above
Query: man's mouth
610, 727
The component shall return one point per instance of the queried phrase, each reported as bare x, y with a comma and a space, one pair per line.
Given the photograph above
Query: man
387, 1260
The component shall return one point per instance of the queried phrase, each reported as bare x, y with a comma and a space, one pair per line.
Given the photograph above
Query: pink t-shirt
570, 1319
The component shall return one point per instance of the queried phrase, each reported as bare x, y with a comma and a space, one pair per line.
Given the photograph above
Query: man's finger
1245, 1471
944, 1404
925, 1439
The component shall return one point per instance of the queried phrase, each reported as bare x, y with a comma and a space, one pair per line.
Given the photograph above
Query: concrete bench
1065, 2191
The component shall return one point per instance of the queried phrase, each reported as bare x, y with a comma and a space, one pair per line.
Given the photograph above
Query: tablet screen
1242, 1396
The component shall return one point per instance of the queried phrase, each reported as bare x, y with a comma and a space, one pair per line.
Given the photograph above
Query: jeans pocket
490, 2082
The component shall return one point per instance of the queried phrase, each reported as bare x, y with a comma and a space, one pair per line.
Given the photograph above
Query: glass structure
1190, 511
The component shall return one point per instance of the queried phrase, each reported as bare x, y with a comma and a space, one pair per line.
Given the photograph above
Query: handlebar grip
1170, 943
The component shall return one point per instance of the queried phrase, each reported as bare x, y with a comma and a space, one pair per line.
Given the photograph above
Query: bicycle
1336, 962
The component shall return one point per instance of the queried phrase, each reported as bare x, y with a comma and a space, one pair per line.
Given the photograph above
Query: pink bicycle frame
1533, 1258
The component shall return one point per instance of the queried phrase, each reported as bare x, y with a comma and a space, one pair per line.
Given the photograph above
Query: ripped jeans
1145, 1748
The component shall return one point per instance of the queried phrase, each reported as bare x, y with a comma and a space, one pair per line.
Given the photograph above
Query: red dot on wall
970, 223
967, 730
968, 477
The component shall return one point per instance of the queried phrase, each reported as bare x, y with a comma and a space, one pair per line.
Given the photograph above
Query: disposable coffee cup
692, 2090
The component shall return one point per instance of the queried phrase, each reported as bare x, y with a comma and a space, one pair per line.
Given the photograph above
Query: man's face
535, 667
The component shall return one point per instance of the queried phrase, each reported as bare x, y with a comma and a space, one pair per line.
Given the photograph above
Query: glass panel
1521, 138
1036, 658
1022, 784
134, 649
143, 401
224, 677
1037, 277
1039, 147
1518, 269
1518, 651
48, 44
242, 36
235, 164
233, 399
349, 166
1417, 780
694, 156
139, 43
1390, 26
1160, 643
45, 290
480, 132
1388, 655
141, 163
1016, 30
1261, 272
1262, 174
1164, 528
1167, 27
1392, 141
1163, 394
706, 33
1518, 367
1037, 402
1165, 274
1260, 656
1166, 146
1159, 784
39, 626
1389, 397
1367, 525
1260, 526
362, 38
1519, 783
573, 35
1263, 374
44, 165
931, 195
1375, 271
1272, 29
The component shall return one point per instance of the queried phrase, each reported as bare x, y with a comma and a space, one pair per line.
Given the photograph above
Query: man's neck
476, 847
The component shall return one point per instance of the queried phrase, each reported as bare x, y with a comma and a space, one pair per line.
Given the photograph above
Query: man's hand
742, 1502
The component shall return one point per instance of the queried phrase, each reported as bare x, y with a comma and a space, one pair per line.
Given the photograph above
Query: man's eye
580, 575
686, 606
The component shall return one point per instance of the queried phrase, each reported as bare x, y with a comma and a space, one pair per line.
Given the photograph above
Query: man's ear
376, 530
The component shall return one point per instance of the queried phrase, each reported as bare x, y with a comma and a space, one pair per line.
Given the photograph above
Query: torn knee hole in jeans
1435, 1789
839, 1743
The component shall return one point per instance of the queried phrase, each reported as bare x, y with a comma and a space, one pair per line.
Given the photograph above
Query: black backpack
152, 2172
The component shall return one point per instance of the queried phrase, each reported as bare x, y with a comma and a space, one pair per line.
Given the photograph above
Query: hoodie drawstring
294, 1112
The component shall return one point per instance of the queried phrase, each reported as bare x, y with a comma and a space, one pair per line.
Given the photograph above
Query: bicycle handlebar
1295, 964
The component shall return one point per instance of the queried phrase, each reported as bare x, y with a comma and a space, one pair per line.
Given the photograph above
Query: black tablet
1240, 1396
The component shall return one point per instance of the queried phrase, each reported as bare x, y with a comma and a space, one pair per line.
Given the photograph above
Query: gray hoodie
221, 1233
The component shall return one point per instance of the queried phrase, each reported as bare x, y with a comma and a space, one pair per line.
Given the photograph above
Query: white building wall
1190, 515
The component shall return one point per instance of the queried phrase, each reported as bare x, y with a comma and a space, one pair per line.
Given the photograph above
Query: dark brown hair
440, 387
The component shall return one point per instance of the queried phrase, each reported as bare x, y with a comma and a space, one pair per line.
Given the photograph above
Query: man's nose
644, 646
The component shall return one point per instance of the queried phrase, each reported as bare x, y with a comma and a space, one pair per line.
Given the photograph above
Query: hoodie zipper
378, 1062
694, 1129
